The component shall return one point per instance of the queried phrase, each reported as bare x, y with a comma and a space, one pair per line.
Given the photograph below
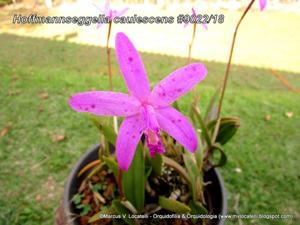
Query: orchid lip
153, 142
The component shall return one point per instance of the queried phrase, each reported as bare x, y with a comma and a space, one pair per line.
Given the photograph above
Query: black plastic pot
215, 192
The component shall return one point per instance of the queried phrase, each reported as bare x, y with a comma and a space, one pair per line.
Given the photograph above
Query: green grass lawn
34, 167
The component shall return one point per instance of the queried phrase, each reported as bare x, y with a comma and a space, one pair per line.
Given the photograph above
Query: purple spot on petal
130, 59
173, 121
179, 120
179, 90
133, 136
93, 106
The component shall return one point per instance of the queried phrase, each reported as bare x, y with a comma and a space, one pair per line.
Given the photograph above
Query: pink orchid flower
109, 12
262, 4
194, 14
146, 112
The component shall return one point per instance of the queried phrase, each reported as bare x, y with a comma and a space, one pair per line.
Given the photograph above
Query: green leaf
190, 164
228, 128
212, 108
76, 199
195, 176
112, 164
95, 170
173, 205
199, 155
148, 171
177, 167
96, 217
84, 209
109, 134
223, 158
122, 210
97, 187
106, 129
176, 105
118, 222
205, 132
156, 162
197, 209
133, 181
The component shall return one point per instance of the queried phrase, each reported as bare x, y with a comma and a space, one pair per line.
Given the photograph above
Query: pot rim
75, 170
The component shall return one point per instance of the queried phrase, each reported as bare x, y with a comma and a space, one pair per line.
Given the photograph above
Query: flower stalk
109, 56
194, 15
119, 183
191, 43
111, 87
217, 126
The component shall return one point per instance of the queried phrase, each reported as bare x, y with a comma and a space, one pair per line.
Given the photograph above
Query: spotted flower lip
146, 112
109, 12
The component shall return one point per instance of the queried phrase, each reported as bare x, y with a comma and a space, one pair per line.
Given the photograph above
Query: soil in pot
94, 195
80, 192
97, 192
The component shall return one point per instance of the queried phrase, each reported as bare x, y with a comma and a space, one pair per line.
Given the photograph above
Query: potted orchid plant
153, 165
156, 165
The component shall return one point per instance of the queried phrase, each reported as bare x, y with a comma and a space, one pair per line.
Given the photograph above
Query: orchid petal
177, 84
121, 12
262, 4
105, 103
132, 67
194, 12
176, 125
185, 25
106, 8
99, 25
110, 15
129, 135
204, 25
149, 116
98, 8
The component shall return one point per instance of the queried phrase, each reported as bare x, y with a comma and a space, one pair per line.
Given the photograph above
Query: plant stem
284, 81
119, 182
108, 56
88, 167
115, 120
191, 43
177, 167
216, 130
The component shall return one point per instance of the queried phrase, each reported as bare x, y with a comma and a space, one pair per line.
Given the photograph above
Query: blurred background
41, 65
277, 26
